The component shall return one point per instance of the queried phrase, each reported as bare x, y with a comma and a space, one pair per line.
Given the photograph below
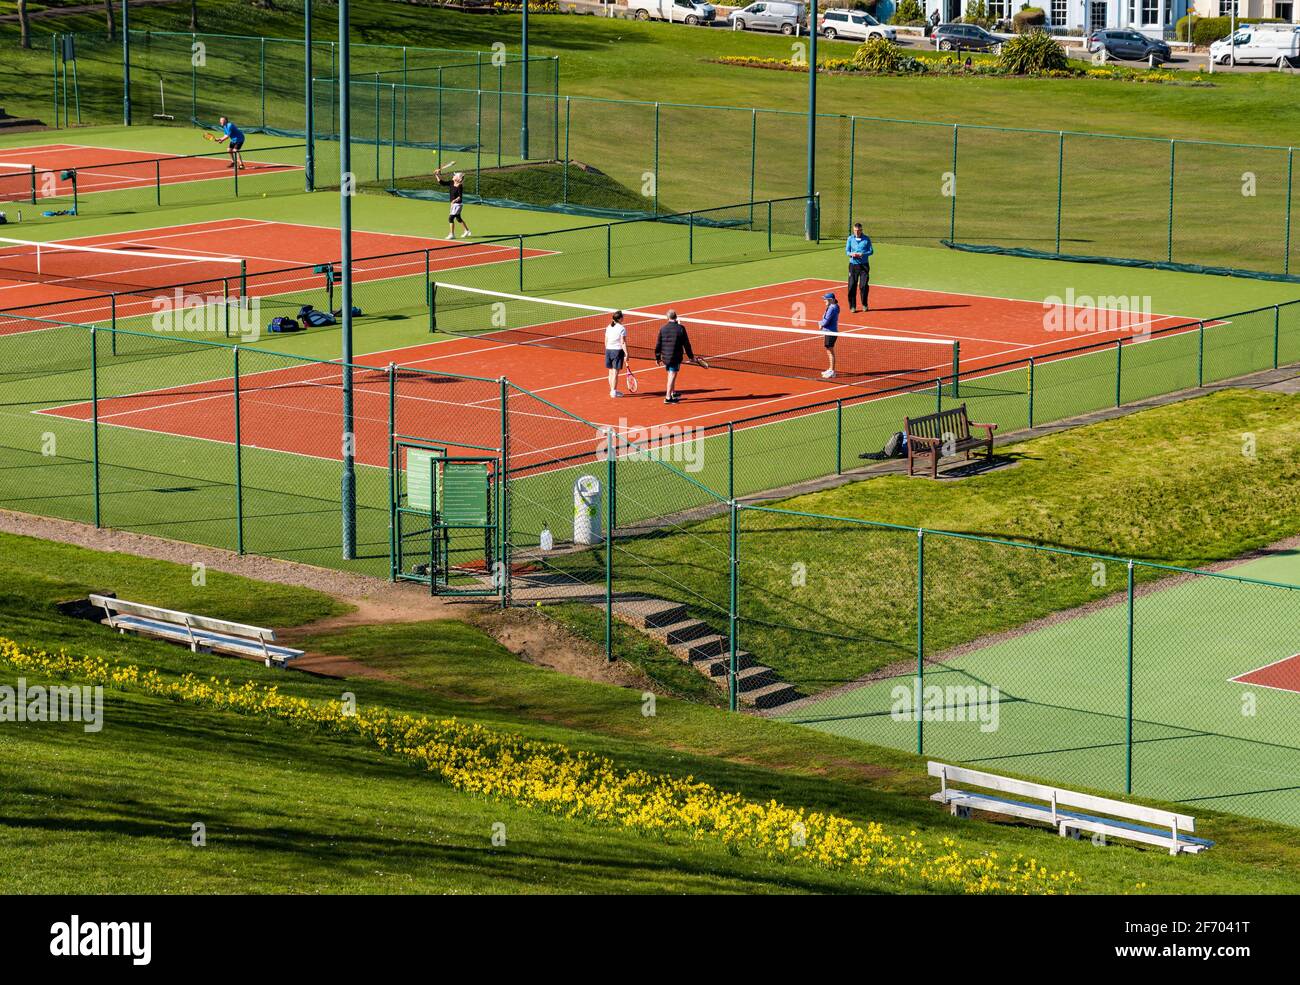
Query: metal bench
200, 633
944, 434
1110, 818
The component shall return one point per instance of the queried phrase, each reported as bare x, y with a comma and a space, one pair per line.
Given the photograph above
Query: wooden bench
1111, 818
942, 434
199, 633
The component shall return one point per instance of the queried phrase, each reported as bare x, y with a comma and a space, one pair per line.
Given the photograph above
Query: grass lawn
270, 797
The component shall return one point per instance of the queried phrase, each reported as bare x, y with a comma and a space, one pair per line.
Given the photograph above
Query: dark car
1128, 45
965, 37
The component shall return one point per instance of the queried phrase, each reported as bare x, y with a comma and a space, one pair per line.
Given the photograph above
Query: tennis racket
444, 167
207, 135
630, 381
699, 361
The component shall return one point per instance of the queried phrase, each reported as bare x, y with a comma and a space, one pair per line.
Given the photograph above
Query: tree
108, 17
24, 26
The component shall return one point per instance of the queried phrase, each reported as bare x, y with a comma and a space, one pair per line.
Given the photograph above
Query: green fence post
392, 135
1030, 388
839, 437
112, 319
690, 237
656, 174
1169, 252
406, 134
501, 82
1119, 370
377, 133
753, 158
1200, 354
94, 420
54, 74
952, 209
565, 166
521, 264
262, 60
439, 147
853, 139
503, 511
920, 642
731, 460
194, 81
611, 456
609, 249
1286, 254
392, 473
239, 463
1128, 716
1060, 185
1277, 330
938, 395
769, 225
733, 614
478, 145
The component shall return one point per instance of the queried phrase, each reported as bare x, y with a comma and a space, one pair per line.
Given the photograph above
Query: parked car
682, 11
965, 37
1269, 44
788, 18
855, 24
1128, 45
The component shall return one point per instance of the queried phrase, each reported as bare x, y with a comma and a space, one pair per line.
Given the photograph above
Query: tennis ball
264, 194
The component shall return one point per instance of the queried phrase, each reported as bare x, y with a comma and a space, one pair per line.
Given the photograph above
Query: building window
1061, 12
1227, 7
1283, 10
1150, 12
999, 9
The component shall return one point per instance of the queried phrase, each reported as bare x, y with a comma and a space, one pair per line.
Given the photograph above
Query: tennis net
127, 266
771, 350
17, 182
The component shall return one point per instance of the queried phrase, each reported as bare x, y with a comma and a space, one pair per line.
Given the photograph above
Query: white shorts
455, 208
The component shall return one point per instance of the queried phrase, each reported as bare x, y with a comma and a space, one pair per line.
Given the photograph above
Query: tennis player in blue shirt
859, 249
830, 326
232, 133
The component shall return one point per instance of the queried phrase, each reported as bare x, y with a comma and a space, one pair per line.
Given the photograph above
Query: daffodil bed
547, 776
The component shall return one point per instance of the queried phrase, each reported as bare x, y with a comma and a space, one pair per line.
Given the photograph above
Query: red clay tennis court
108, 169
991, 331
70, 286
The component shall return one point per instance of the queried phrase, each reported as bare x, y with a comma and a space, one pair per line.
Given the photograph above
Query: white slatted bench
1112, 818
199, 633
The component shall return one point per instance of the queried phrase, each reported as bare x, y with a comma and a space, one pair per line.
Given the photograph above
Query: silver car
770, 15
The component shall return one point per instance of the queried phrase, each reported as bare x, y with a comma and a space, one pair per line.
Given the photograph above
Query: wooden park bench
200, 633
943, 434
1100, 815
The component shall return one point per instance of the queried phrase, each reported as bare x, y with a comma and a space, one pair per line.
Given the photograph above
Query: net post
521, 264
938, 395
33, 184
94, 422
225, 312
1119, 370
733, 613
429, 289
243, 278
157, 182
392, 471
76, 201
920, 642
239, 461
611, 455
1030, 388
769, 225
235, 174
839, 436
956, 368
1169, 252
1128, 715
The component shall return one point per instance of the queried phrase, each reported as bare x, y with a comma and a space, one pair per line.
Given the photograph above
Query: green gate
444, 520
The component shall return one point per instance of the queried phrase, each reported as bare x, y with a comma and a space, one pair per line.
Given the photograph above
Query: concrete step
682, 632
652, 613
770, 696
754, 677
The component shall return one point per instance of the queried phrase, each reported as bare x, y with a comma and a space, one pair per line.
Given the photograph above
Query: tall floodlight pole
126, 66
523, 79
309, 116
810, 223
349, 479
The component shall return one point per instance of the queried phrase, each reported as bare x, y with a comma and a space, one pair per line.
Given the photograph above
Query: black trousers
859, 283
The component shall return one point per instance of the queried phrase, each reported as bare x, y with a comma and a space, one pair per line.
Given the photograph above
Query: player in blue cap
830, 325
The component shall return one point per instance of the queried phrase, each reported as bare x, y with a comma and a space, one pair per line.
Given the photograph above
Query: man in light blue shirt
235, 136
859, 249
830, 326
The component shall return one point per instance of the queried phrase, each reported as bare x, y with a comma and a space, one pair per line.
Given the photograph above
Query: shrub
1029, 19
1207, 30
908, 12
884, 57
1032, 54
977, 12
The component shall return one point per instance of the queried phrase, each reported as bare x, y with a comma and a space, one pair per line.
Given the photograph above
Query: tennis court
560, 361
37, 171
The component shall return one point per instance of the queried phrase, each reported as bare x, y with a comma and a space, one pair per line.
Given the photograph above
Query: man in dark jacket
673, 343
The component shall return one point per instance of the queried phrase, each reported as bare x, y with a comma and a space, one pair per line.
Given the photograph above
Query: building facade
1154, 17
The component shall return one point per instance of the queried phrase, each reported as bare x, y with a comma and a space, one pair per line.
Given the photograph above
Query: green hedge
1029, 19
1210, 29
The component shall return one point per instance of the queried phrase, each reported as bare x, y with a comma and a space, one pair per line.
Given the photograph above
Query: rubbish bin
586, 511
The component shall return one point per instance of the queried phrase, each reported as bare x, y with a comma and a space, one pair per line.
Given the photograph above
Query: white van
682, 11
1268, 44
770, 15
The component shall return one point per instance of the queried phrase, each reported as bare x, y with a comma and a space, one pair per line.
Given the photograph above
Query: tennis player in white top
615, 351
